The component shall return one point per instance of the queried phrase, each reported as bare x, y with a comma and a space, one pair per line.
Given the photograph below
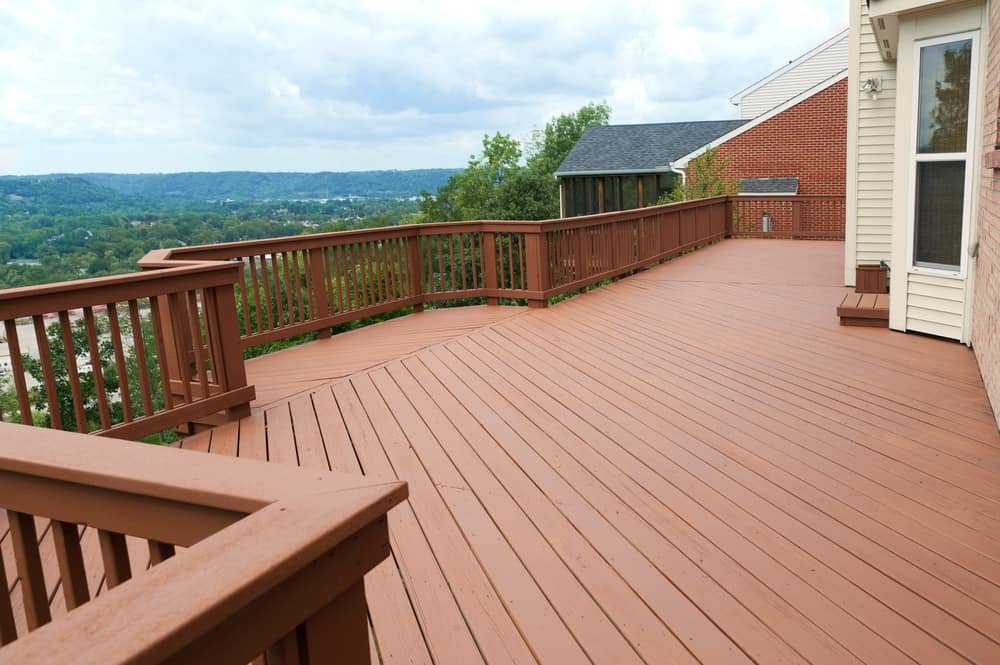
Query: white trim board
738, 97
762, 118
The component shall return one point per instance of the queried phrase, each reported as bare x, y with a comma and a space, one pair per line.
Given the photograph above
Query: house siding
872, 153
986, 293
808, 73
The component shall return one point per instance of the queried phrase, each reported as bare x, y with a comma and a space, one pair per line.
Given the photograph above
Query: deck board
693, 464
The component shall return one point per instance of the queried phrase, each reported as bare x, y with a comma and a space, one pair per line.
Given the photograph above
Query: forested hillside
235, 185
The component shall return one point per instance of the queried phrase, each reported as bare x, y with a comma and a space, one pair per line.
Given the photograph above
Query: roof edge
738, 97
658, 169
682, 162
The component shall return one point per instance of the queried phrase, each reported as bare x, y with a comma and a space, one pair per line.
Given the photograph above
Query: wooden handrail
270, 548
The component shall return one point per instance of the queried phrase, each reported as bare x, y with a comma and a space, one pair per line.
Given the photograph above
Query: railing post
488, 254
233, 371
537, 264
415, 269
319, 299
339, 631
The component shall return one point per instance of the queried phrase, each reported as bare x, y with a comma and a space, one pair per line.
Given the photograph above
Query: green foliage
705, 178
497, 185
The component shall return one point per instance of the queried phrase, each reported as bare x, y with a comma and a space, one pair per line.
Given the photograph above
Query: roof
769, 186
639, 148
745, 125
792, 64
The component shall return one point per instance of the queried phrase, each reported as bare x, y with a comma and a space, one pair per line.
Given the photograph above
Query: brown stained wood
177, 307
96, 368
139, 348
24, 538
297, 279
124, 389
339, 631
277, 294
267, 294
160, 552
8, 628
17, 369
244, 299
72, 571
115, 556
290, 309
157, 313
48, 373
194, 317
73, 375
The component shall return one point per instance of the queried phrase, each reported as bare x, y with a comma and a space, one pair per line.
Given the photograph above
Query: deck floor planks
721, 410
651, 424
504, 488
857, 573
696, 462
829, 420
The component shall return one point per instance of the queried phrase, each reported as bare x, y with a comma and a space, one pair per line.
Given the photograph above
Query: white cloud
185, 85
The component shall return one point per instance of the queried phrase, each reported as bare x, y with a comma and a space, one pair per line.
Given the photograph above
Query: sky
302, 85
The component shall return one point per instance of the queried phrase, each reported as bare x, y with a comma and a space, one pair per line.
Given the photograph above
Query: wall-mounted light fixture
766, 222
872, 87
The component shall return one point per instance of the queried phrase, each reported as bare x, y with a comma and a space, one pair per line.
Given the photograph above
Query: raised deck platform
694, 464
864, 309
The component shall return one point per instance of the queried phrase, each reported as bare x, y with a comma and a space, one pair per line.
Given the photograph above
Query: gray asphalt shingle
769, 186
641, 147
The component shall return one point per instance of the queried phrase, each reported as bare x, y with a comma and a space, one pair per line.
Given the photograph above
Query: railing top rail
293, 519
57, 296
212, 481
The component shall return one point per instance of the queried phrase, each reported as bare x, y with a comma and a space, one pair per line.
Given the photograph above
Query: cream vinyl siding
874, 148
935, 305
808, 73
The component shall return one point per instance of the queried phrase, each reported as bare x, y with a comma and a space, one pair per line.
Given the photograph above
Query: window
945, 71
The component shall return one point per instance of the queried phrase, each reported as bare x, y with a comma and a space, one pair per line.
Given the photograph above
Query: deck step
864, 309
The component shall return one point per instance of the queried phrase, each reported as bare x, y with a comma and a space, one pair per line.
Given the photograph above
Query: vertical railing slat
17, 367
114, 554
139, 348
73, 574
29, 568
161, 350
95, 367
8, 628
194, 323
76, 393
124, 392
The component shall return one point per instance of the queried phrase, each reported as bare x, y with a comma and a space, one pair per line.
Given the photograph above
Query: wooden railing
274, 556
798, 217
289, 286
132, 355
127, 356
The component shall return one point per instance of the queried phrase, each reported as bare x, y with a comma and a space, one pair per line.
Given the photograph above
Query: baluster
116, 343
66, 537
8, 629
279, 320
244, 301
194, 324
488, 256
288, 287
95, 367
502, 280
160, 552
17, 367
161, 350
48, 372
139, 348
182, 344
256, 293
114, 554
71, 369
521, 261
29, 567
297, 277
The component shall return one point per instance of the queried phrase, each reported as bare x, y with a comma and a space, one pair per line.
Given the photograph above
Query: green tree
496, 185
705, 178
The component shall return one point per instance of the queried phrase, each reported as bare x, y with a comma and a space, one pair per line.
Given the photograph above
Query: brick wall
807, 141
986, 295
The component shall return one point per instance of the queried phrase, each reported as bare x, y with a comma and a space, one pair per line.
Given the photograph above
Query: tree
705, 178
950, 116
496, 185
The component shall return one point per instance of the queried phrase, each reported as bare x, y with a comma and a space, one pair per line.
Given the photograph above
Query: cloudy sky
309, 85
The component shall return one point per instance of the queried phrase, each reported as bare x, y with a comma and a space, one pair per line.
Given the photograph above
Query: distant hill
237, 185
46, 190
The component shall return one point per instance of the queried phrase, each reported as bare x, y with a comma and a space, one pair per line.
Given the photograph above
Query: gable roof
639, 148
682, 161
738, 97
749, 186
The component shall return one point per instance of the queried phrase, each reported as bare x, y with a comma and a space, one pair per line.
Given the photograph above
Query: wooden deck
679, 467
